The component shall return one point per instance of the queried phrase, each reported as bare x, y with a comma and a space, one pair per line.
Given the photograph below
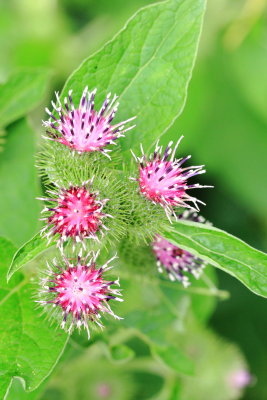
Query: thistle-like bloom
163, 180
83, 128
75, 212
78, 292
176, 261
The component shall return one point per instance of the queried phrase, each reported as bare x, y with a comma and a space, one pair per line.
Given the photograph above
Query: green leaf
21, 93
19, 185
2, 139
121, 353
156, 328
223, 251
29, 346
17, 392
175, 391
149, 64
167, 304
202, 294
204, 306
175, 359
7, 249
28, 252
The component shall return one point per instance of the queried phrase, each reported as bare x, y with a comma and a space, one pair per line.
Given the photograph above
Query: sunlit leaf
28, 252
29, 346
17, 392
223, 251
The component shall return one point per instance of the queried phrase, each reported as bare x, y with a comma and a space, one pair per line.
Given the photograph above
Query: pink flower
176, 261
78, 291
83, 128
163, 180
75, 213
239, 379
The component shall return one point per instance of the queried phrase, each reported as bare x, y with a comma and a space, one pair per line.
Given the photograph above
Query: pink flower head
104, 390
78, 291
163, 180
83, 128
176, 261
75, 213
239, 379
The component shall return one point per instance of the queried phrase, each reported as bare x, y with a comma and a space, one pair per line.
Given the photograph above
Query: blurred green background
225, 127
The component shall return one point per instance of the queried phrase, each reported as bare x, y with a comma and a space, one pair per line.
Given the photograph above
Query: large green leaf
28, 252
224, 251
22, 92
149, 64
29, 346
19, 185
17, 392
175, 359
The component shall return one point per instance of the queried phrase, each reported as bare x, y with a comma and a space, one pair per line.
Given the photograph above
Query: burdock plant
119, 190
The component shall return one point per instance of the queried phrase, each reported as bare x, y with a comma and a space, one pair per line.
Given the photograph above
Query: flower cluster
79, 213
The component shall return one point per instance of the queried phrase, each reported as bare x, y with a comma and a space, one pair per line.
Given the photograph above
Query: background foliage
224, 122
